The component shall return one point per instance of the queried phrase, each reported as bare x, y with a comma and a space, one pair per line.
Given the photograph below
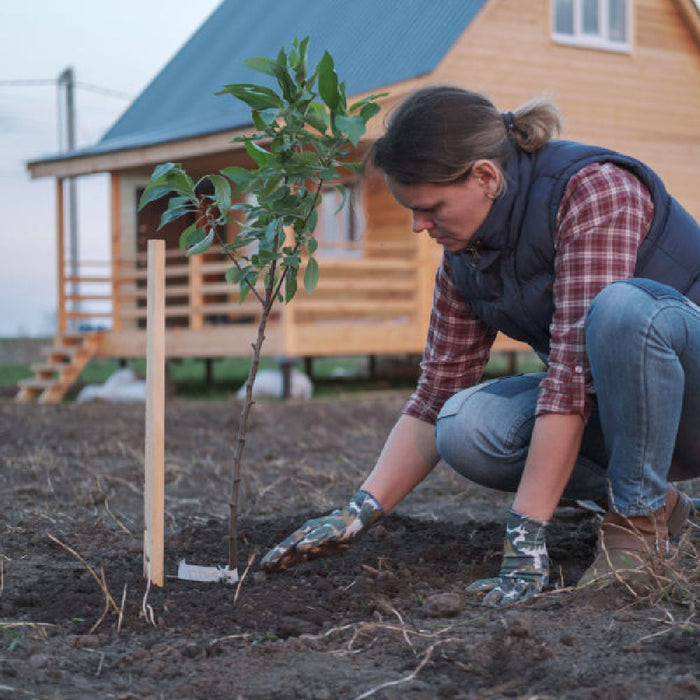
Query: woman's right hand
326, 536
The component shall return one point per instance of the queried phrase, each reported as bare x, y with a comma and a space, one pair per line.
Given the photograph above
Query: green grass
12, 372
330, 374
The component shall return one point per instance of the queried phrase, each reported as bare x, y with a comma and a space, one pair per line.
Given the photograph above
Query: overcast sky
117, 46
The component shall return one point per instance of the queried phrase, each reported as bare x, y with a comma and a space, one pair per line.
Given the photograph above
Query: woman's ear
489, 177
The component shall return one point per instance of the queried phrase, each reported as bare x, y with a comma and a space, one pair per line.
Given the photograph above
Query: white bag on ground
269, 384
121, 387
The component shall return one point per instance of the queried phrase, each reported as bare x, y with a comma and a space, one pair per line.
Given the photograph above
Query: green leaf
182, 183
328, 81
352, 127
248, 281
203, 245
258, 122
238, 175
172, 213
356, 167
342, 99
191, 236
255, 96
269, 186
343, 192
261, 64
161, 170
366, 100
311, 245
270, 236
300, 59
290, 284
153, 192
236, 274
311, 275
312, 223
284, 79
222, 192
317, 117
307, 157
369, 110
259, 154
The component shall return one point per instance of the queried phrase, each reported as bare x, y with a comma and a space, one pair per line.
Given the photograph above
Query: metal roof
374, 43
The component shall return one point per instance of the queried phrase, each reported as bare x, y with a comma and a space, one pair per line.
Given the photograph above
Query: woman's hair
438, 133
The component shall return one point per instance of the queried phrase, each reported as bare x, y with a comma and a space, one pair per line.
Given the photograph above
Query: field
387, 619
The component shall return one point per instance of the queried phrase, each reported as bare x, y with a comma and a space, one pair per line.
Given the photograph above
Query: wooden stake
154, 491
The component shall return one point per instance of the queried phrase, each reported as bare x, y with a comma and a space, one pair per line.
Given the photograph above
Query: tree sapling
304, 129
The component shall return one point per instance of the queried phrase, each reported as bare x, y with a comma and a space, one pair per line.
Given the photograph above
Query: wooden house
626, 74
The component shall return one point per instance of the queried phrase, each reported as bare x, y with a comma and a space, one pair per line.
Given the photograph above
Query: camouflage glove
525, 567
323, 537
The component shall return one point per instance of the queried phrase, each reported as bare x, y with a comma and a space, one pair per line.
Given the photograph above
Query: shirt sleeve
456, 351
604, 215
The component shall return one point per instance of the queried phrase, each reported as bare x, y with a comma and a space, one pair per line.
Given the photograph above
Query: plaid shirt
604, 215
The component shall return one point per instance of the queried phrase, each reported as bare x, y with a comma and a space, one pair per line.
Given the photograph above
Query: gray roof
374, 43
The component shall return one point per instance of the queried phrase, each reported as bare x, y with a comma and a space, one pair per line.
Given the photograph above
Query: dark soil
387, 619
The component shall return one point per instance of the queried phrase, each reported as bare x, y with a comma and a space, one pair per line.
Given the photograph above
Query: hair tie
508, 121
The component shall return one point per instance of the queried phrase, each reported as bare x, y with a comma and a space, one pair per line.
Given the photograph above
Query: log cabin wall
644, 103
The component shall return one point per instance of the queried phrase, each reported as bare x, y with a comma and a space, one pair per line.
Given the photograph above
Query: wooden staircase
64, 362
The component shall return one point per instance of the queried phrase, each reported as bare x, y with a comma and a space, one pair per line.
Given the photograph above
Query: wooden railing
381, 288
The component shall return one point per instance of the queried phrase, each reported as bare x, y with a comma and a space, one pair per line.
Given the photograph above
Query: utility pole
66, 94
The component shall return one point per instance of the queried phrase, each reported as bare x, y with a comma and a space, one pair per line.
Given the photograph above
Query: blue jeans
643, 344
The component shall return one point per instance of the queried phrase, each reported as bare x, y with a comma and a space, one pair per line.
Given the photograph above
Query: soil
389, 618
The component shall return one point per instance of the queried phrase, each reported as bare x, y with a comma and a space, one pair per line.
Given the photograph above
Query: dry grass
101, 582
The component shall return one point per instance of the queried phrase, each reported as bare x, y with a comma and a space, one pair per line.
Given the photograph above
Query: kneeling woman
580, 252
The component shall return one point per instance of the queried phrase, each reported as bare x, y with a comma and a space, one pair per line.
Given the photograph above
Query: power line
25, 82
103, 90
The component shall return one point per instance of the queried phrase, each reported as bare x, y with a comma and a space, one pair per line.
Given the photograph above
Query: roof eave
691, 14
135, 158
177, 150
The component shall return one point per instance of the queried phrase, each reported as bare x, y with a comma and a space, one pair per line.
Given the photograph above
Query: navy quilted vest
506, 273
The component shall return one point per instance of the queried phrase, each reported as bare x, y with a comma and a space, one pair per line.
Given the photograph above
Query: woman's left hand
525, 567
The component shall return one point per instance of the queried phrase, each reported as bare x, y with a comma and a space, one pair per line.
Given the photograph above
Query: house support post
115, 191
60, 258
196, 296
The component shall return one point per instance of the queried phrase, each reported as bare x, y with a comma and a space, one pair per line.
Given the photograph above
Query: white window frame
339, 233
602, 39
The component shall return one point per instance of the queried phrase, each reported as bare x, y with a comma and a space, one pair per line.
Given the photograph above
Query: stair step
62, 351
45, 368
37, 384
64, 362
72, 340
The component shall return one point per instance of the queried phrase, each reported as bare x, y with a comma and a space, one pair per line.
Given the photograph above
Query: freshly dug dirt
387, 619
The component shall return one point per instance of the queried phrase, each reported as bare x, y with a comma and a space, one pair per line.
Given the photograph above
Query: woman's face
451, 214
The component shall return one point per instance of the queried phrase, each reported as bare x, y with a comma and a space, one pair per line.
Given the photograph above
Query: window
603, 24
339, 233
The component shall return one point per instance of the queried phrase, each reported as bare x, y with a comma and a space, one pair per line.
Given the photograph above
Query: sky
115, 47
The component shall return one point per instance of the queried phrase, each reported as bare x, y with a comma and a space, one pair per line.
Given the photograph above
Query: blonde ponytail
535, 123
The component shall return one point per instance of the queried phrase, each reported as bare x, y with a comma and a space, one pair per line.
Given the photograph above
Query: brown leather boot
627, 546
678, 508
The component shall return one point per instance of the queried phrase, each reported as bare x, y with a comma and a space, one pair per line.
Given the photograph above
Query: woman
580, 252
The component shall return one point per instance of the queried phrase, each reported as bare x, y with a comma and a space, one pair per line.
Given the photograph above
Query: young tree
304, 128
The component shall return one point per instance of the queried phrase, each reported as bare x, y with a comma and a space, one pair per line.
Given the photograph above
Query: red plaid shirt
604, 215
